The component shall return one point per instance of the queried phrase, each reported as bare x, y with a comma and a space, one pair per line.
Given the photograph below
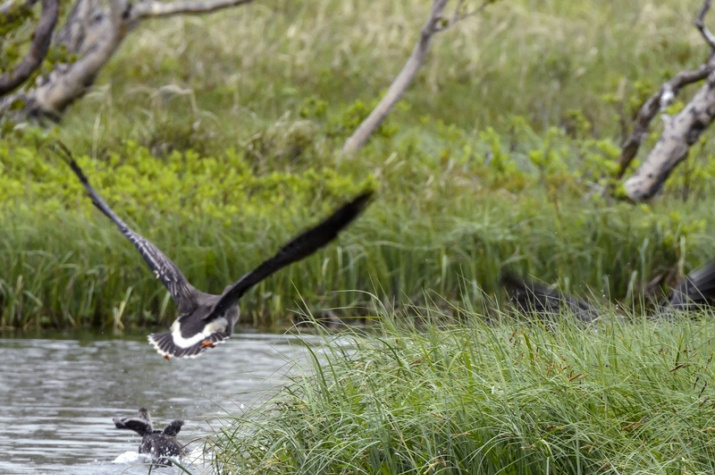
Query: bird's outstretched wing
163, 268
173, 428
697, 289
543, 300
299, 248
141, 425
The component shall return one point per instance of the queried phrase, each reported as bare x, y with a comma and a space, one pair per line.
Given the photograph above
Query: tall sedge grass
68, 268
506, 398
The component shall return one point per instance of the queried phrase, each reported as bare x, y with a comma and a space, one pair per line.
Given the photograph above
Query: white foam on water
132, 457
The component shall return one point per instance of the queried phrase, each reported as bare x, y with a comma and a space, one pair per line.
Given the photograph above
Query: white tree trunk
680, 133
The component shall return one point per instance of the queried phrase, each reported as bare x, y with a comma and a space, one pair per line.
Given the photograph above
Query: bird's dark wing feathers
173, 428
163, 268
300, 247
140, 426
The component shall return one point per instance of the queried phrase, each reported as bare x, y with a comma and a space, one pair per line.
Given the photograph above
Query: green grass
506, 398
218, 79
218, 138
65, 268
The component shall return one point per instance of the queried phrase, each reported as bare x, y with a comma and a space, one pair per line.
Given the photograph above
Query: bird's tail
167, 347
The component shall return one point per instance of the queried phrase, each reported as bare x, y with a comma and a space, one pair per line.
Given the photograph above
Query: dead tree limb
38, 49
161, 9
657, 103
93, 32
435, 23
681, 131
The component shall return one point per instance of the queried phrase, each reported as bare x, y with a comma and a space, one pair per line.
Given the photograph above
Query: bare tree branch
38, 50
94, 35
398, 87
162, 9
700, 25
680, 133
435, 23
652, 106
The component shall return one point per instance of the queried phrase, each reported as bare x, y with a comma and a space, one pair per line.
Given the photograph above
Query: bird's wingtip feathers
62, 150
352, 209
139, 426
364, 198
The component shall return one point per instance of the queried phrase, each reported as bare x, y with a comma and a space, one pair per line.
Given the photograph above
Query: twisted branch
681, 131
38, 50
657, 102
665, 95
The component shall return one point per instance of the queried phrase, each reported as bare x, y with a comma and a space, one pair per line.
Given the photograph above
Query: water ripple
58, 397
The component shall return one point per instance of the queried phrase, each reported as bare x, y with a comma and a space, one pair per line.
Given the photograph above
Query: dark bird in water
160, 444
695, 291
207, 319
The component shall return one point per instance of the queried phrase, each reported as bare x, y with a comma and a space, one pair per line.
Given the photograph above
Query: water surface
58, 396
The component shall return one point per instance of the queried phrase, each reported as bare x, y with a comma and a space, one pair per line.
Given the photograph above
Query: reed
73, 268
502, 398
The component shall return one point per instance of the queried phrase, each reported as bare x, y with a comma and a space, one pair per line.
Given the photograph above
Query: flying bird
158, 443
208, 319
695, 291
